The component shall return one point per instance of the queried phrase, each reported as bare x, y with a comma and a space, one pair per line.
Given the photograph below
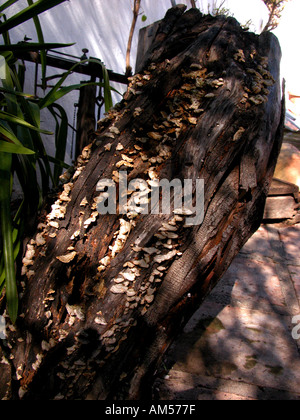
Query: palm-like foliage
22, 150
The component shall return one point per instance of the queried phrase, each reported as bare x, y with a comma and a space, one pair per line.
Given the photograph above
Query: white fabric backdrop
103, 26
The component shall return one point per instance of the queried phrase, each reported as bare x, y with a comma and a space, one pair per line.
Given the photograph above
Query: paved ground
239, 344
293, 138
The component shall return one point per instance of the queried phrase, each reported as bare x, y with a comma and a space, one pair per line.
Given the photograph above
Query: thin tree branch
275, 8
269, 24
136, 9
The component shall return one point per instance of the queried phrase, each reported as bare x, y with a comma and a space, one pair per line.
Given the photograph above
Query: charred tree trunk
103, 296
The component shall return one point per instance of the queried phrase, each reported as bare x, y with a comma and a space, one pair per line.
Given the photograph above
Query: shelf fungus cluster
120, 238
258, 79
154, 144
137, 82
113, 337
140, 278
73, 173
58, 212
156, 259
182, 108
34, 247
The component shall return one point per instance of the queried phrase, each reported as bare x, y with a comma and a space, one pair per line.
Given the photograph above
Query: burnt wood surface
208, 105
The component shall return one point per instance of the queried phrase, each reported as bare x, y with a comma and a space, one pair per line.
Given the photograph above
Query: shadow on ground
239, 344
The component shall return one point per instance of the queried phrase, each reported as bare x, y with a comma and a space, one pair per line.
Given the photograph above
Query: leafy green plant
22, 150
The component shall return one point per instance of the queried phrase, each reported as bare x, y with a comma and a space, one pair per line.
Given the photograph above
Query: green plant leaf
108, 103
56, 95
21, 74
58, 92
35, 114
7, 235
13, 92
22, 148
43, 54
11, 100
50, 98
28, 13
36, 143
25, 167
16, 235
7, 133
19, 121
58, 162
7, 4
13, 148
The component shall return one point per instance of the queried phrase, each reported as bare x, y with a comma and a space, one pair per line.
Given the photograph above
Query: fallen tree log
103, 296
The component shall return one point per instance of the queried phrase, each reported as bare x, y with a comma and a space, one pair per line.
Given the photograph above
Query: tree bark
207, 105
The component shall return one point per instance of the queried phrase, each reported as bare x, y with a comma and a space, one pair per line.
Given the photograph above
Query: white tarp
103, 27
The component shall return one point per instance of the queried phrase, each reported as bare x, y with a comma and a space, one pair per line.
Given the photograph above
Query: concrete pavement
239, 344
